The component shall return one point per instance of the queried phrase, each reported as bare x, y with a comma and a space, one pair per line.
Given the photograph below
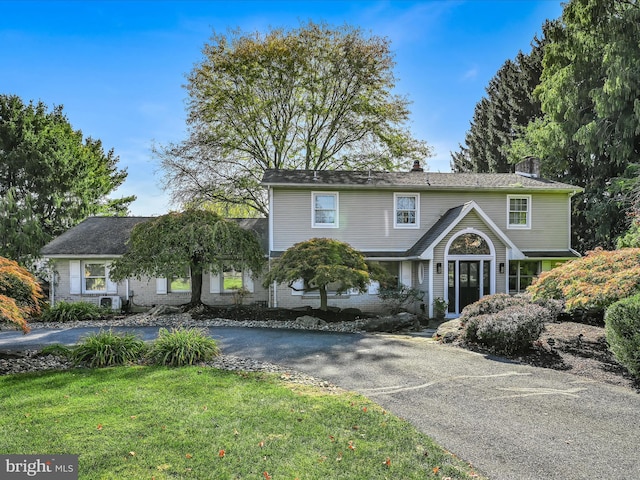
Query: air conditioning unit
114, 302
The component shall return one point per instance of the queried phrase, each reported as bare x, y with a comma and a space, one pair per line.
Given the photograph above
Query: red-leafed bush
20, 294
593, 282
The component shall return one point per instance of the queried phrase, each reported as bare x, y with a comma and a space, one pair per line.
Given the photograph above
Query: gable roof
107, 236
417, 180
423, 248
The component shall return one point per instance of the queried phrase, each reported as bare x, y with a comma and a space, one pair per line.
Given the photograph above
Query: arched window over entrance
469, 244
470, 268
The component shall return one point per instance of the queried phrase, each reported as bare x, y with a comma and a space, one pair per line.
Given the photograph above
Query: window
181, 284
519, 211
521, 275
231, 279
325, 210
469, 244
95, 277
407, 209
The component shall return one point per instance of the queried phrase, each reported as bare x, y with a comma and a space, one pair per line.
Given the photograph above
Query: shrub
183, 346
506, 323
508, 331
20, 294
622, 329
592, 283
57, 350
397, 298
74, 311
106, 348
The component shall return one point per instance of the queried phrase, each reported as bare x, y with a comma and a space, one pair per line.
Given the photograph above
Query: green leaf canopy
320, 262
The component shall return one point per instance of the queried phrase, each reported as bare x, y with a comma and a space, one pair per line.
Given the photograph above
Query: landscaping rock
392, 323
307, 321
449, 332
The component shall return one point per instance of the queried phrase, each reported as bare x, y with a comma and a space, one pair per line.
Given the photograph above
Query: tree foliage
20, 294
593, 282
590, 132
319, 263
508, 106
50, 177
314, 97
199, 239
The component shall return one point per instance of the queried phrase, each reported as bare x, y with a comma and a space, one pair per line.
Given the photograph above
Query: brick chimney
416, 166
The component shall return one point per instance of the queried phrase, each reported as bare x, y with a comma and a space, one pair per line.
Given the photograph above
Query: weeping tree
199, 239
321, 262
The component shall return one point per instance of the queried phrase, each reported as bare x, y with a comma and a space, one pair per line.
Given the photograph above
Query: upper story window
519, 211
95, 277
325, 209
407, 210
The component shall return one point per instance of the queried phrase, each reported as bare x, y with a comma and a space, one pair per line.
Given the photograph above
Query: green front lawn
203, 423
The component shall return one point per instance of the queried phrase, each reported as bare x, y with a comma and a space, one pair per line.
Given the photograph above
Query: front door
469, 280
468, 283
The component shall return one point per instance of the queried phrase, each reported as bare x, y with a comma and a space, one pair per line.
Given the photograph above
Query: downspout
52, 287
273, 295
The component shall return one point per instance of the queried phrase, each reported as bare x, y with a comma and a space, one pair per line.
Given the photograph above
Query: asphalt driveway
512, 422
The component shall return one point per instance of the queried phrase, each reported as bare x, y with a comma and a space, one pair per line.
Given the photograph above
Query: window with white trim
522, 274
519, 211
182, 283
325, 210
95, 277
232, 279
407, 210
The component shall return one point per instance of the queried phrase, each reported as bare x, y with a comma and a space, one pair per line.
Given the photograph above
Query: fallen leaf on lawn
188, 455
133, 454
204, 407
387, 462
364, 409
261, 444
355, 427
236, 432
99, 427
351, 445
133, 417
221, 453
339, 459
436, 469
266, 475
163, 467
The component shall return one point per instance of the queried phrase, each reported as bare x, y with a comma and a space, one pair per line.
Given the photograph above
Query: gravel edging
32, 360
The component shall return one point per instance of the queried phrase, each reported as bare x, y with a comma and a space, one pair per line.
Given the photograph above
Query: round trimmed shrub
508, 331
183, 346
622, 330
106, 349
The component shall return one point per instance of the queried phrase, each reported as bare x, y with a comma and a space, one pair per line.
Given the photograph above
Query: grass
202, 423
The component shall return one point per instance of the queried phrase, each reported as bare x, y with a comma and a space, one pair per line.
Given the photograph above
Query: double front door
469, 280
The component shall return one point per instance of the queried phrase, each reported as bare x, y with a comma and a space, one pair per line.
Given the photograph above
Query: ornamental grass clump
183, 346
622, 330
74, 311
107, 348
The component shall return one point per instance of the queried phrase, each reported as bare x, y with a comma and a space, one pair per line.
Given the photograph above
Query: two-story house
454, 236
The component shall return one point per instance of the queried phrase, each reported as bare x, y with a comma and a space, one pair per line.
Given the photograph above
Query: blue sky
118, 67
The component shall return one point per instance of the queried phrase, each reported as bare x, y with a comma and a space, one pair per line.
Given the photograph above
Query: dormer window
325, 210
407, 210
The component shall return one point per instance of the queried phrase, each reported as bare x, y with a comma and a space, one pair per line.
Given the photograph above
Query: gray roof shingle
420, 180
107, 236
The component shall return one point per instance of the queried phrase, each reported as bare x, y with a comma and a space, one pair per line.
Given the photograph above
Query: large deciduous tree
20, 294
199, 239
320, 262
50, 177
590, 132
314, 97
